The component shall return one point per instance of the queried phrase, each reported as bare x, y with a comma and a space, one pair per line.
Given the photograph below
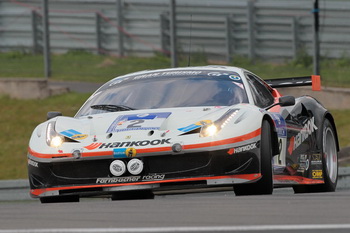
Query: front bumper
163, 172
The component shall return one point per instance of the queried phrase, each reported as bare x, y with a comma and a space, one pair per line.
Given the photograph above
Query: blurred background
93, 41
222, 31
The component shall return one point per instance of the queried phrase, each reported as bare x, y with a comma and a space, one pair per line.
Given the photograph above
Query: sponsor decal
118, 80
280, 124
305, 132
148, 121
110, 180
128, 179
33, 163
244, 148
317, 174
168, 73
119, 153
135, 166
235, 77
134, 143
79, 136
71, 133
130, 152
93, 146
304, 163
153, 177
117, 168
231, 151
195, 126
124, 152
316, 159
216, 74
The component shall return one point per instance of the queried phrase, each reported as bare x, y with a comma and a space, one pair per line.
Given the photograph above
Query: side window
261, 95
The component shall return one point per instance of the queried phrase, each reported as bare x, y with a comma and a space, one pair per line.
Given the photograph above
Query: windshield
160, 90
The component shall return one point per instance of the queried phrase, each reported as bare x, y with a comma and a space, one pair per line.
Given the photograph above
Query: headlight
213, 128
209, 130
53, 138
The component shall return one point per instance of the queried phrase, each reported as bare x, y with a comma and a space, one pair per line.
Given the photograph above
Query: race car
178, 128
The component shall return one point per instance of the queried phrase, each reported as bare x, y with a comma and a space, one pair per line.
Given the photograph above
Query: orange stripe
157, 149
98, 153
40, 155
150, 150
226, 141
298, 179
248, 177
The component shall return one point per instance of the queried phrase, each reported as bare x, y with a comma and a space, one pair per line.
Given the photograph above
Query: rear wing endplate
313, 80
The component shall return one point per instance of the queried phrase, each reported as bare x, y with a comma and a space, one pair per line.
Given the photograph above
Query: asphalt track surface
192, 212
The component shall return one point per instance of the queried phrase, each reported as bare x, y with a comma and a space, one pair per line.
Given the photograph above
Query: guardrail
262, 29
18, 190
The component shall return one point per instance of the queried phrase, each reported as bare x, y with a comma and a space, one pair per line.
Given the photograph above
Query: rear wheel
265, 184
329, 162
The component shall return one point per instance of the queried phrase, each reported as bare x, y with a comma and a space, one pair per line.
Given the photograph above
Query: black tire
265, 185
329, 152
132, 195
59, 199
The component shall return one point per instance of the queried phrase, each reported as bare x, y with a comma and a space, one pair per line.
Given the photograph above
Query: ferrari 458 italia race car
179, 128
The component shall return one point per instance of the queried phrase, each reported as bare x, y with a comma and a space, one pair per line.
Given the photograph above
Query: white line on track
185, 229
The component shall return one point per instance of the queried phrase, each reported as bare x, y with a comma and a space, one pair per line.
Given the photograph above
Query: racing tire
264, 186
329, 154
59, 199
132, 195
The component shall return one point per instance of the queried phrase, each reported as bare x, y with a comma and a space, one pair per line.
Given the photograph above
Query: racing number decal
144, 121
134, 124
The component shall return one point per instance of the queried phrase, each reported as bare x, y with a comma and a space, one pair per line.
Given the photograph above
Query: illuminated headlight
212, 129
53, 139
208, 131
56, 141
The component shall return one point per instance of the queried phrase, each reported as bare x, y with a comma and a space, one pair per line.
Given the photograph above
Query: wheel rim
330, 153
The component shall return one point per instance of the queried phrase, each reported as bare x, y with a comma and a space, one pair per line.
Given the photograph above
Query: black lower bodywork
88, 177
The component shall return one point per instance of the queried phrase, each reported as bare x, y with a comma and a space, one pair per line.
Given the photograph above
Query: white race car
185, 127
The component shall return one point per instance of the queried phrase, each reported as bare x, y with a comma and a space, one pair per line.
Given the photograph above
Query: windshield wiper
111, 107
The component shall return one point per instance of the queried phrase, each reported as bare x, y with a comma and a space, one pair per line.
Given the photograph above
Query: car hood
139, 123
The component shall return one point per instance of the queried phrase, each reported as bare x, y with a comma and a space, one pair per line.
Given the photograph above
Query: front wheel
265, 184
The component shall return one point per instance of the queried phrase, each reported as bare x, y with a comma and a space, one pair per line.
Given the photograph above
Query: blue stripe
70, 132
189, 128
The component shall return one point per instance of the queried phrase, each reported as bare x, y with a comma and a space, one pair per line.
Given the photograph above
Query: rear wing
313, 80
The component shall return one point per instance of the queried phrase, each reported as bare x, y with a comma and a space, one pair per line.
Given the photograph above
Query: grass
76, 65
341, 118
18, 120
20, 117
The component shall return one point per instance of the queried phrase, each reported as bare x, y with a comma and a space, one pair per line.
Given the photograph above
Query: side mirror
288, 100
284, 101
51, 115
